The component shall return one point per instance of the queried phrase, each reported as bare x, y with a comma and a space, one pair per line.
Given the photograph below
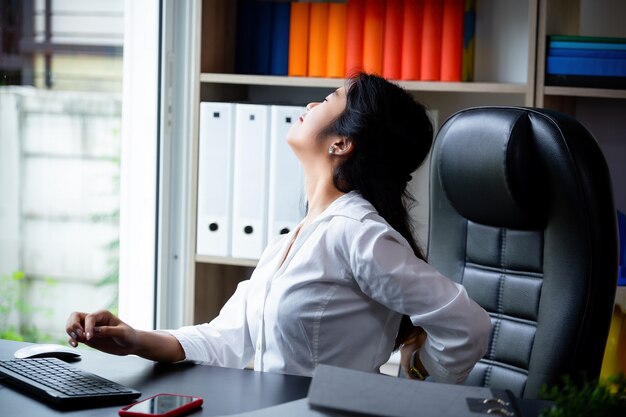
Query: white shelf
248, 79
439, 86
583, 92
223, 260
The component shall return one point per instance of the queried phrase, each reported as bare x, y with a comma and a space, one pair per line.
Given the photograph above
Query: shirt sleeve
387, 270
225, 341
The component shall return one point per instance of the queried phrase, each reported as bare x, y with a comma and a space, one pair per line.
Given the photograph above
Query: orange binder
431, 40
318, 39
392, 40
412, 40
336, 56
452, 40
373, 31
355, 14
298, 40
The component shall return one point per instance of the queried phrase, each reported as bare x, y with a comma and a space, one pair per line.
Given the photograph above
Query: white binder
215, 178
286, 181
249, 233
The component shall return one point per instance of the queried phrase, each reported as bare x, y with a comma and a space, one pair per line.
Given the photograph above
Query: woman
336, 288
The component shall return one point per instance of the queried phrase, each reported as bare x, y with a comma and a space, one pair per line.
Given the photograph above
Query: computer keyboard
62, 384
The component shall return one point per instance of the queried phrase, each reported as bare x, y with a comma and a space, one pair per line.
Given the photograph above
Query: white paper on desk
366, 393
286, 179
250, 180
215, 171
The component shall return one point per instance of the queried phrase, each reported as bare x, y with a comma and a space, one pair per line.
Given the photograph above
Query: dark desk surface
224, 390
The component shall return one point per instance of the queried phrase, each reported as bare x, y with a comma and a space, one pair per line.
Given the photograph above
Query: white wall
501, 41
605, 117
603, 18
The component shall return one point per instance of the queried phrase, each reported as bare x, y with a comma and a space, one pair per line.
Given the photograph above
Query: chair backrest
522, 214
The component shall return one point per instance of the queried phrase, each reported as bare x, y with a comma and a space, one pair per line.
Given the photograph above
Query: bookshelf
600, 110
576, 17
510, 51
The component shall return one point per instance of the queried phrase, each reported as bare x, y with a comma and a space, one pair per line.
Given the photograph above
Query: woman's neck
320, 194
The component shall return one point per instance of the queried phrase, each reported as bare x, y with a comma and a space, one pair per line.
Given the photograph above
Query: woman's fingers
80, 325
118, 334
405, 357
415, 342
74, 325
100, 330
101, 317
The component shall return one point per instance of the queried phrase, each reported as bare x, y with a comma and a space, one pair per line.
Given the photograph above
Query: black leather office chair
522, 214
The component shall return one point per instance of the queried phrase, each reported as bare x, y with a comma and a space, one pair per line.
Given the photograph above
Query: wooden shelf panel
454, 87
219, 78
223, 260
583, 92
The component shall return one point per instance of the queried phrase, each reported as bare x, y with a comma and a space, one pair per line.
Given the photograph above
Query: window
68, 93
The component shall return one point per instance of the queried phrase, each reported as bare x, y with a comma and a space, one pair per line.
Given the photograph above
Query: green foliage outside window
13, 287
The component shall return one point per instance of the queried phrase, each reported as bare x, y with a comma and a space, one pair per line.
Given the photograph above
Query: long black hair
391, 135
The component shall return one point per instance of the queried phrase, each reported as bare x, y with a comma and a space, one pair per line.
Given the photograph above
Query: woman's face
304, 135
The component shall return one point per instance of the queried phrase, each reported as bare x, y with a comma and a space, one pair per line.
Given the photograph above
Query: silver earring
331, 150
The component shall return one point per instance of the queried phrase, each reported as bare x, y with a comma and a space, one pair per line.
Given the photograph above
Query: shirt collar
351, 205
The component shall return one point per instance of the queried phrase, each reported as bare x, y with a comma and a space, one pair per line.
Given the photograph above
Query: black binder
362, 393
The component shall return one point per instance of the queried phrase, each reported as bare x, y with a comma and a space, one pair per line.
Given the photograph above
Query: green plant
11, 286
588, 399
12, 290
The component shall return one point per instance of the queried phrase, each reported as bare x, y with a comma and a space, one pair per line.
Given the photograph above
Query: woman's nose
311, 105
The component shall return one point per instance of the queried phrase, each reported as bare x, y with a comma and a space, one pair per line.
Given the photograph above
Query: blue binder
588, 45
621, 225
586, 66
587, 53
262, 38
280, 38
243, 46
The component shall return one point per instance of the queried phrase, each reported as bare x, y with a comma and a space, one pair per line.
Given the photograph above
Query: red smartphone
164, 405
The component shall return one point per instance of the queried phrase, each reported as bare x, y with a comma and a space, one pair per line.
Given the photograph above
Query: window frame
180, 90
139, 163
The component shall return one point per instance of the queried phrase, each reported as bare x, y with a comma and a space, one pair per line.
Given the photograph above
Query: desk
224, 390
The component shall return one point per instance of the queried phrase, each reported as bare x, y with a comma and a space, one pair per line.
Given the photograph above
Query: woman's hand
412, 344
103, 331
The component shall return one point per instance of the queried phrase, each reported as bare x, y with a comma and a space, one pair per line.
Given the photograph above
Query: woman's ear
342, 146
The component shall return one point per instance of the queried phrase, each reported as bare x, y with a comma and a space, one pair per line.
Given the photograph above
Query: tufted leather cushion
487, 171
522, 214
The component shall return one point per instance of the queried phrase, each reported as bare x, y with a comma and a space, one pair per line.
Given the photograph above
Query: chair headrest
488, 168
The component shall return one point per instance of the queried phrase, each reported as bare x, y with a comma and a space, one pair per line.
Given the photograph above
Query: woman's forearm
158, 346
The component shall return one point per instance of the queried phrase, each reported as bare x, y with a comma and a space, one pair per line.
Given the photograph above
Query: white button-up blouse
337, 299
